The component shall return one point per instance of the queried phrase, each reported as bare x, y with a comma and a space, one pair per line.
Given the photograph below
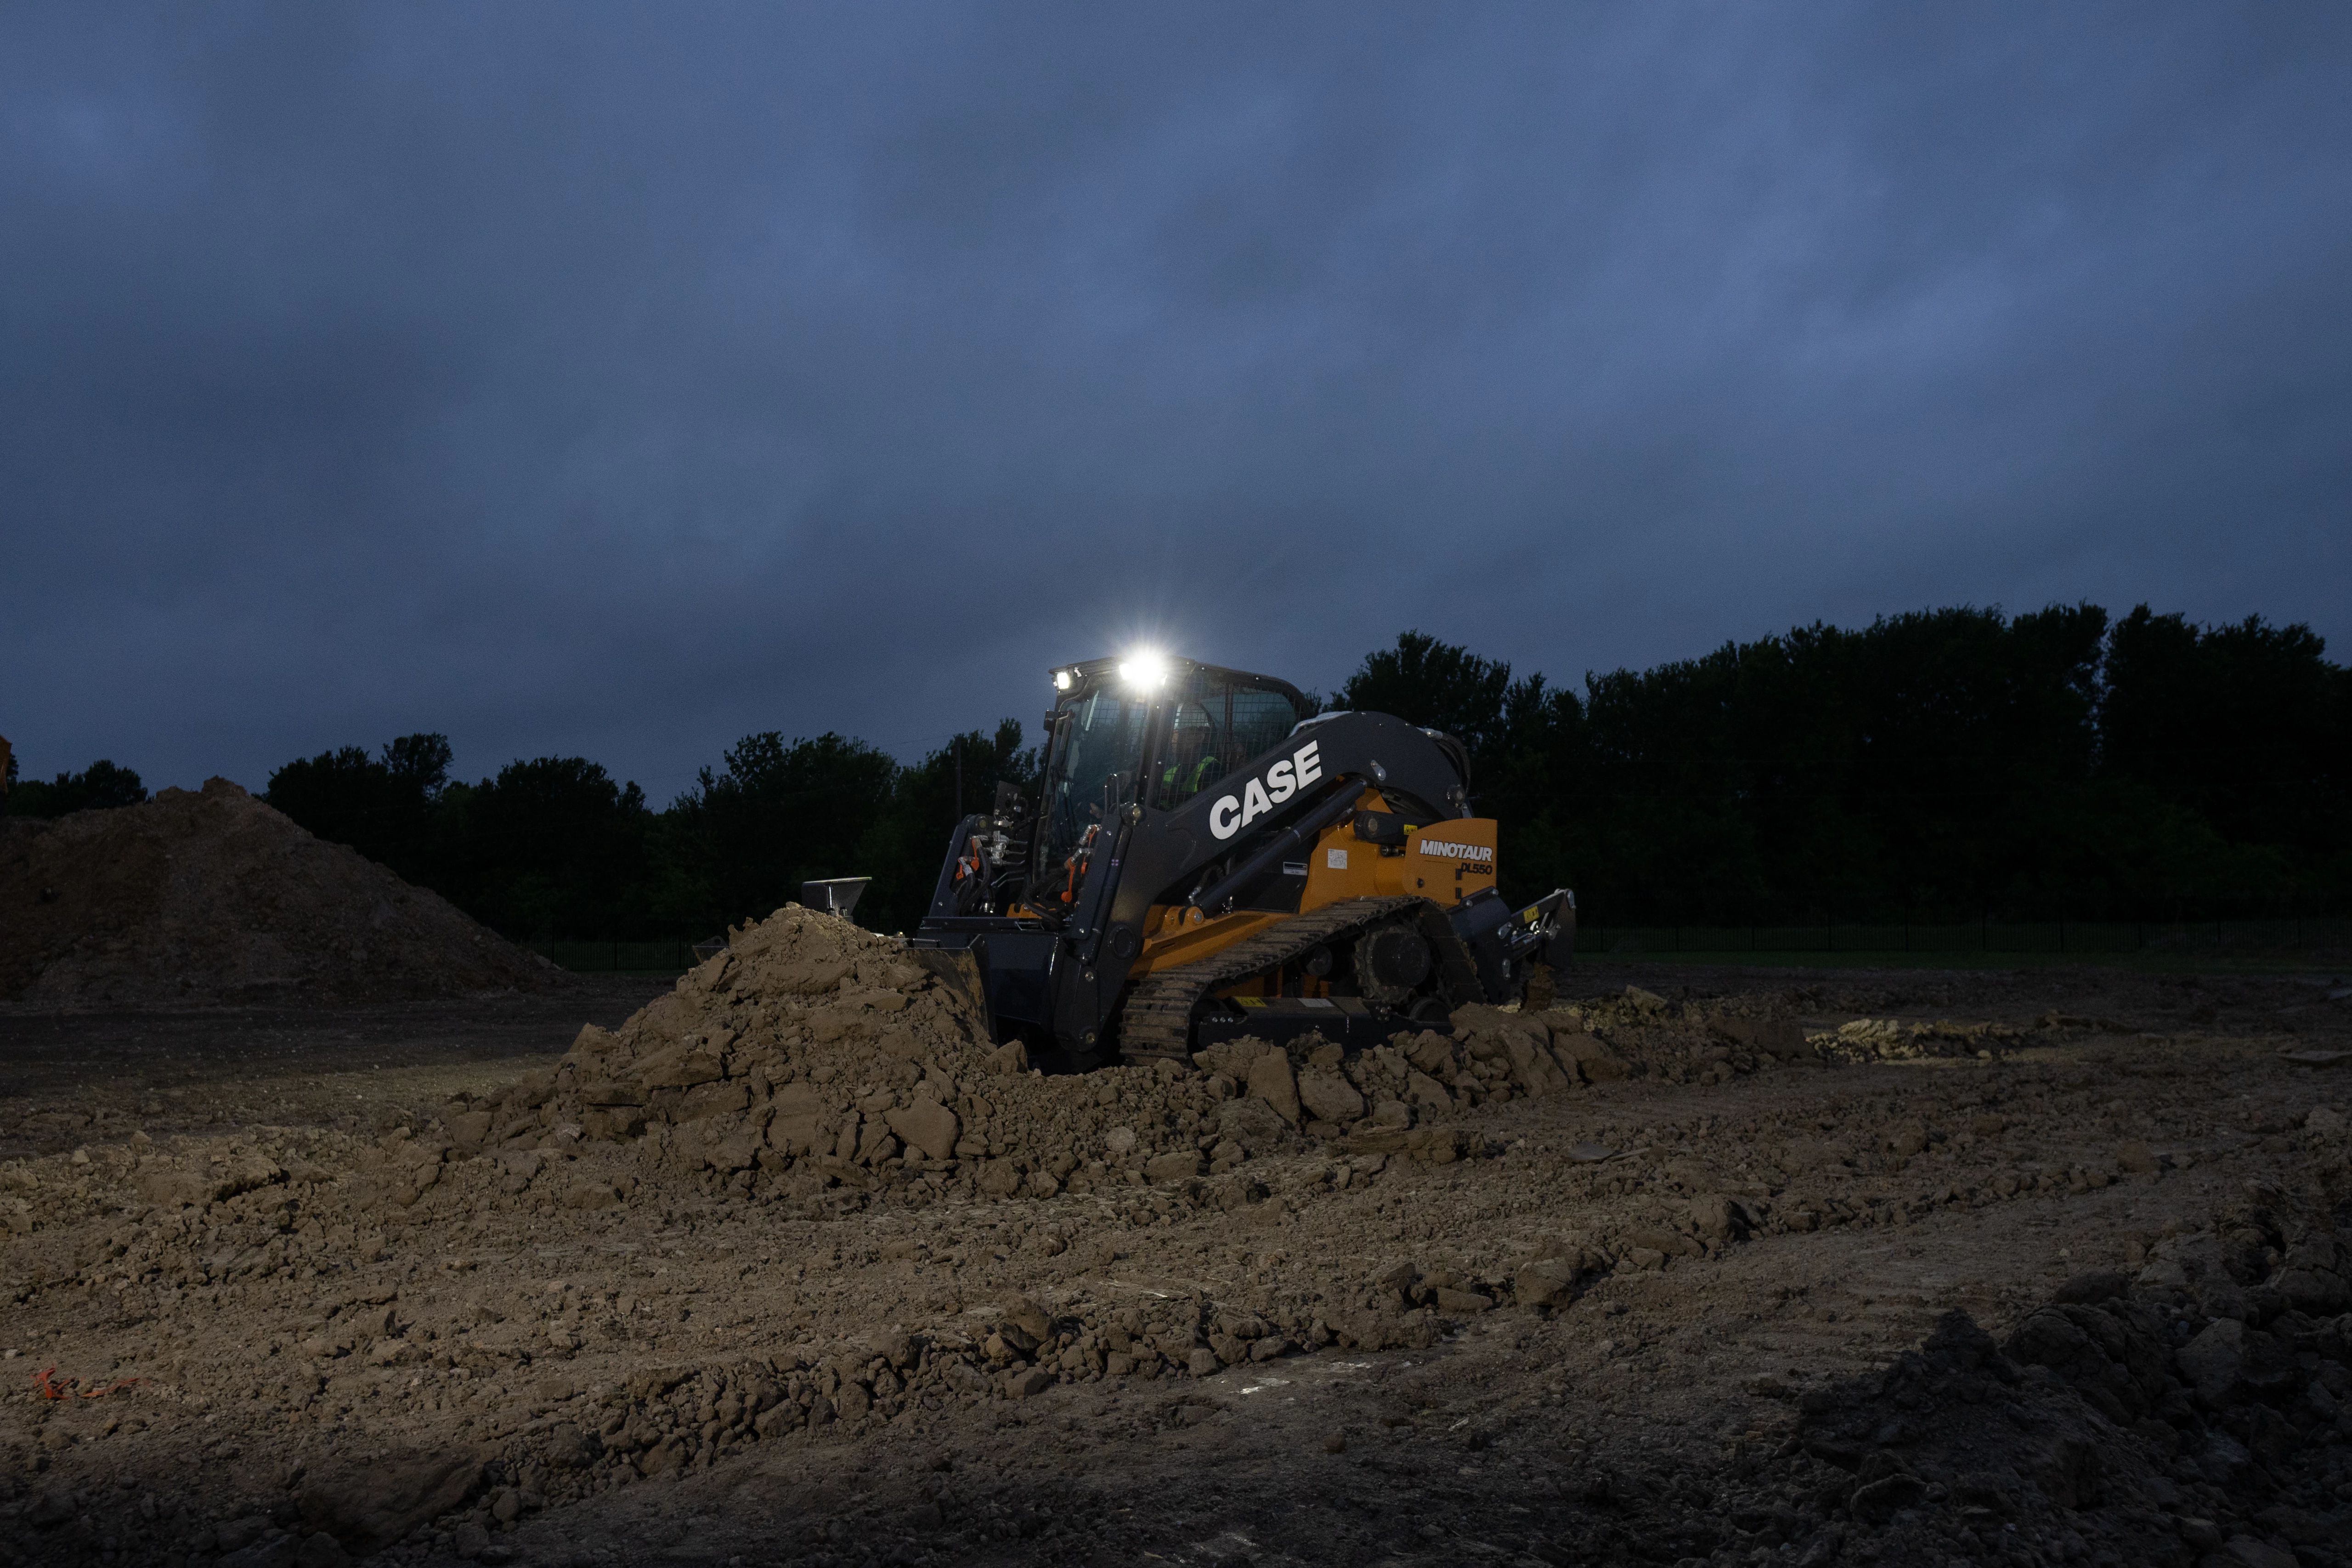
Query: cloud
600, 380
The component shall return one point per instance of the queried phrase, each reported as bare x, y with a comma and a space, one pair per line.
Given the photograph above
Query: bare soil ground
68, 1078
1705, 1311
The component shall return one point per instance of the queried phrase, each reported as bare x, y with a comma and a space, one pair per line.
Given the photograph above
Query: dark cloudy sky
584, 379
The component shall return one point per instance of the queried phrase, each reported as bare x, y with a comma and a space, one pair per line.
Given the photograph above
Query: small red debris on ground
46, 1385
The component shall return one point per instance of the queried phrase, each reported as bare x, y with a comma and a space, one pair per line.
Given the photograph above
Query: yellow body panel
1342, 866
1444, 863
1448, 861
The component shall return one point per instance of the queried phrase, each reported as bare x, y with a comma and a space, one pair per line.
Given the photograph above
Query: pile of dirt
813, 1055
214, 896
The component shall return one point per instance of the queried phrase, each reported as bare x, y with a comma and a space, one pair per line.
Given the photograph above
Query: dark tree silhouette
1934, 764
100, 786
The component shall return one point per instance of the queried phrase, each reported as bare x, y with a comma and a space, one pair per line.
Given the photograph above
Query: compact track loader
1205, 857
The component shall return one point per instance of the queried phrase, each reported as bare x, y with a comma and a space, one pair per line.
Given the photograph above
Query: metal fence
2089, 938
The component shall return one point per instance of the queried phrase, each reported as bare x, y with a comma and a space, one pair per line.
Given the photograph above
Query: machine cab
1147, 730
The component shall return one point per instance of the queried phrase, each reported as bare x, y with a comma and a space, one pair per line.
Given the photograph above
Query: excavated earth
211, 896
788, 1264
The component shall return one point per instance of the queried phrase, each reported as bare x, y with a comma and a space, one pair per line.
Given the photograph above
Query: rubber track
1158, 1019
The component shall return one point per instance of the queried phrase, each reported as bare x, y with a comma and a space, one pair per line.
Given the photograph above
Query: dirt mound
812, 1054
213, 897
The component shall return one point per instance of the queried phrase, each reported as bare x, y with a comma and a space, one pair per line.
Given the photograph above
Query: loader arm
1158, 858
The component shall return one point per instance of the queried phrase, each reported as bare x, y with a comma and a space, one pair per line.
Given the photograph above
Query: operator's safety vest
1202, 776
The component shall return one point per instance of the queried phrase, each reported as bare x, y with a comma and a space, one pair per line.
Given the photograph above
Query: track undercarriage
1399, 955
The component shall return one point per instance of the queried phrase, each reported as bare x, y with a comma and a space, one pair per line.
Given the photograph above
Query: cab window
1098, 748
1216, 726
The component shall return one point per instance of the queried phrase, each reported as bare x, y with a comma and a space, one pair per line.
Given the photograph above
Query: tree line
1941, 764
1938, 765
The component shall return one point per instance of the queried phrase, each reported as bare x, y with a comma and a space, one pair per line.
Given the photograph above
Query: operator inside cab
1192, 761
1154, 741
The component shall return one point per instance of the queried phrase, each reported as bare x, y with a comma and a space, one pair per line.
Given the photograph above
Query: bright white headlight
1143, 670
1062, 682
